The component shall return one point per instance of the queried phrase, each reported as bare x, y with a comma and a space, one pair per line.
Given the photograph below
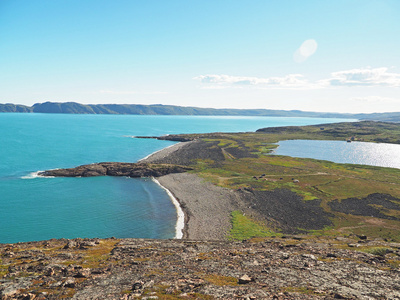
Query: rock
50, 272
70, 244
138, 285
169, 268
309, 256
69, 283
28, 296
245, 279
117, 169
84, 273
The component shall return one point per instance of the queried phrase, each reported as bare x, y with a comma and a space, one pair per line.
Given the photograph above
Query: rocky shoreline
117, 169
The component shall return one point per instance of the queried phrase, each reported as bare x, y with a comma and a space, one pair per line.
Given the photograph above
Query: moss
220, 280
245, 228
379, 251
300, 290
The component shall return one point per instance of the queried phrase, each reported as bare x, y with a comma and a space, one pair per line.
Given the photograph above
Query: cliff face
294, 267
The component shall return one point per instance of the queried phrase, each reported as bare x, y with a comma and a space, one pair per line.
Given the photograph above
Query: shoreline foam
34, 175
180, 222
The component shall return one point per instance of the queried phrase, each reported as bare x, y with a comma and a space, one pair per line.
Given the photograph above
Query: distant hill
159, 109
9, 107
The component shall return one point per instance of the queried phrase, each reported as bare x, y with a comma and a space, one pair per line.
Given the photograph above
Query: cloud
364, 77
376, 99
306, 49
288, 81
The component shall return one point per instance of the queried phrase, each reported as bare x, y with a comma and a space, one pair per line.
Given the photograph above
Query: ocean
35, 208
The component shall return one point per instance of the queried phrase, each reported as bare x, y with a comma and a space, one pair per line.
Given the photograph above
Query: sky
325, 56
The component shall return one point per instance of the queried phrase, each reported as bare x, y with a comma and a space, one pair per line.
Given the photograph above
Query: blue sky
338, 56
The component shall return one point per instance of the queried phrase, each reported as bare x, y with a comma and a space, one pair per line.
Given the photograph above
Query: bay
34, 208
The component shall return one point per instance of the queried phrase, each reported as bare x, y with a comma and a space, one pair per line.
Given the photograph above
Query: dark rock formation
374, 205
286, 210
117, 169
171, 137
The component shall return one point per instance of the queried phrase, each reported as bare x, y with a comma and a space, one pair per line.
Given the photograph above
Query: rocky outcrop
170, 137
293, 267
117, 169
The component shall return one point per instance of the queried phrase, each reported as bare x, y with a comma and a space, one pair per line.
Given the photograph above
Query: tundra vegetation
360, 199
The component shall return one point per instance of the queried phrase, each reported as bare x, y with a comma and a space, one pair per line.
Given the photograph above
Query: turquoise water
33, 208
373, 154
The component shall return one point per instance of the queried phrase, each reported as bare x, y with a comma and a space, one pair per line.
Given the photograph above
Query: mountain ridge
160, 109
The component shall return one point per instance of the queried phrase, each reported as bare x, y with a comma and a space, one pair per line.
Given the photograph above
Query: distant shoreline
159, 109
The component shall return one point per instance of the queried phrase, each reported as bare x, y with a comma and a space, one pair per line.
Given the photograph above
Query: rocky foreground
292, 267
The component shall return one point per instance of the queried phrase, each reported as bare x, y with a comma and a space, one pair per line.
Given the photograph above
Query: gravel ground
184, 153
163, 153
207, 207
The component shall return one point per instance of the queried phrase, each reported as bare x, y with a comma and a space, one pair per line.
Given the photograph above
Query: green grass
379, 251
244, 228
309, 178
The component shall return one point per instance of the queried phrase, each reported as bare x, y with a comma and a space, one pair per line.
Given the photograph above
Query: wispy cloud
364, 77
376, 99
307, 48
289, 81
348, 78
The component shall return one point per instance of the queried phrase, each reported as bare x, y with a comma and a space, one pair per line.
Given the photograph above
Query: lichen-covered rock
269, 268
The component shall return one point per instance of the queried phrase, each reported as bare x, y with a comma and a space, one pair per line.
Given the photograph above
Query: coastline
162, 153
180, 222
180, 225
206, 208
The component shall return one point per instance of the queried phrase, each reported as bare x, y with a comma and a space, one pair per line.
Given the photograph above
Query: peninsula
258, 226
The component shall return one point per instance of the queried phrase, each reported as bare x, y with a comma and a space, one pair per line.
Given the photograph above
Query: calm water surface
33, 208
374, 154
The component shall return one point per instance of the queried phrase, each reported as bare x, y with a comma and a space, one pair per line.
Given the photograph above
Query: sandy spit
163, 153
207, 208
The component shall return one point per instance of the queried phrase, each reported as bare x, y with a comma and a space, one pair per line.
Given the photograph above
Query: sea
36, 208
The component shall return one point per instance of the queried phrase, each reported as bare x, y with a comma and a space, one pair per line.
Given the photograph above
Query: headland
257, 226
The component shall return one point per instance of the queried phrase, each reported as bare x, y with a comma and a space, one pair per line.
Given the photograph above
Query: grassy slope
247, 156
